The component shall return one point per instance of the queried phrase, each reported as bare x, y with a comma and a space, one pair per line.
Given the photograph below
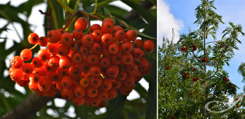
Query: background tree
191, 71
58, 13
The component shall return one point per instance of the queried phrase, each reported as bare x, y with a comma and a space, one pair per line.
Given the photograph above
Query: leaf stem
66, 7
95, 8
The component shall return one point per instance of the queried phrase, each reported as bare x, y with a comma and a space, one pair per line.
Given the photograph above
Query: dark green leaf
28, 5
154, 2
152, 94
116, 11
137, 23
140, 10
116, 106
145, 36
106, 12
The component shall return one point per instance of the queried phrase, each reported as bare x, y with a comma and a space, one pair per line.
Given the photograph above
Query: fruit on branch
81, 23
227, 79
148, 45
221, 45
185, 75
138, 43
204, 59
194, 47
84, 67
184, 49
194, 79
166, 67
33, 38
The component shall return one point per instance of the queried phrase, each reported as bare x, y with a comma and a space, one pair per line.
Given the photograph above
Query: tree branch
27, 108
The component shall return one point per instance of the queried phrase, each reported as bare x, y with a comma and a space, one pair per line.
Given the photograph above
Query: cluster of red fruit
194, 48
86, 68
226, 80
187, 76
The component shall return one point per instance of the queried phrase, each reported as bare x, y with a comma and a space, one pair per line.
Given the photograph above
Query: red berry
131, 35
43, 41
53, 36
87, 40
120, 35
66, 39
94, 27
37, 63
44, 85
77, 34
107, 27
204, 59
81, 23
148, 45
33, 38
27, 68
43, 54
138, 43
17, 62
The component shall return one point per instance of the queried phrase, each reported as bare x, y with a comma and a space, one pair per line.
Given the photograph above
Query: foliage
62, 10
181, 95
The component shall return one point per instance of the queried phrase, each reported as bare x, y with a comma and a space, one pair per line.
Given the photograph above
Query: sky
180, 15
36, 19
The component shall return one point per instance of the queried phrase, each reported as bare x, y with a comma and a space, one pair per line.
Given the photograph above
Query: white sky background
165, 23
37, 20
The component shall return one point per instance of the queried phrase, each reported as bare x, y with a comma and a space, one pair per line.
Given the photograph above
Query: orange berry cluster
85, 67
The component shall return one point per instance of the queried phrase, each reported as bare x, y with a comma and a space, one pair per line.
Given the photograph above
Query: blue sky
182, 14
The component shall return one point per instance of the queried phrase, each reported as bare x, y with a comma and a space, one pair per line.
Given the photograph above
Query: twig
49, 17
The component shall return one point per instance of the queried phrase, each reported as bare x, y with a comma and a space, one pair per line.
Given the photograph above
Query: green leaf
106, 12
152, 93
227, 63
145, 36
154, 2
104, 3
116, 11
28, 5
4, 28
58, 12
138, 23
142, 91
86, 3
140, 10
89, 9
116, 106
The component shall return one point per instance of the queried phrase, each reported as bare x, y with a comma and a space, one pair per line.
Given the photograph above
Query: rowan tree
191, 72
